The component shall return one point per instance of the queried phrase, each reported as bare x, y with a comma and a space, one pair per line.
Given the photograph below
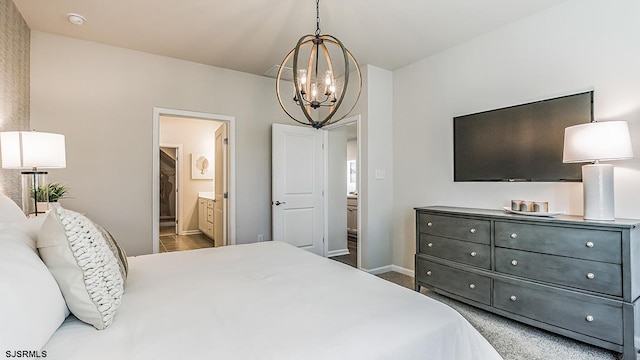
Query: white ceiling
254, 35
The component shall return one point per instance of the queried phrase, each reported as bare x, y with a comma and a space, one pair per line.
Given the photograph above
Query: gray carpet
514, 340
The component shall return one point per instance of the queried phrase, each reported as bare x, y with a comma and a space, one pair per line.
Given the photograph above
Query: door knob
279, 203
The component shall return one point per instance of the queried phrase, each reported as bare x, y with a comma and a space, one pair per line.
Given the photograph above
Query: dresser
574, 277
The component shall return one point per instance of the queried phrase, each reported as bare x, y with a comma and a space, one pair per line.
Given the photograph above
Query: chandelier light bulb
327, 82
303, 77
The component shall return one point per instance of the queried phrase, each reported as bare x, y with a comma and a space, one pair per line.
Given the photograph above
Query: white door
221, 184
297, 175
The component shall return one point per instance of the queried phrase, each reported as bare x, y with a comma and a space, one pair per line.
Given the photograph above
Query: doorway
343, 184
195, 180
170, 170
310, 191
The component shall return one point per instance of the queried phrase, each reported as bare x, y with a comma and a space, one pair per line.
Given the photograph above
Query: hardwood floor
172, 242
351, 258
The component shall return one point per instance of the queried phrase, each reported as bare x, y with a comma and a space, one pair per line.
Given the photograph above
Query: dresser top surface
501, 214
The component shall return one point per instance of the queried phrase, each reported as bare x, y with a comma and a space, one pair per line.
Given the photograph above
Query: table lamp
595, 142
31, 152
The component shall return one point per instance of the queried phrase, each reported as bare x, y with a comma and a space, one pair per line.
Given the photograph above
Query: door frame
352, 119
178, 202
155, 152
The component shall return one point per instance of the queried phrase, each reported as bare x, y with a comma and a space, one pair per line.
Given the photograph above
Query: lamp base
597, 181
34, 191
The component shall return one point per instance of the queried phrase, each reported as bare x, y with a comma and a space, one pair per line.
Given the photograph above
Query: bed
266, 300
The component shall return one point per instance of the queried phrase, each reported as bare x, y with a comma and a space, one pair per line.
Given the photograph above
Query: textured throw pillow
86, 270
31, 305
9, 211
117, 251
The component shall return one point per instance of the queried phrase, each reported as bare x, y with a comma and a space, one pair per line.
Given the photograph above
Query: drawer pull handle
472, 286
430, 244
513, 298
513, 235
589, 244
589, 318
590, 276
429, 224
514, 262
473, 253
473, 230
429, 272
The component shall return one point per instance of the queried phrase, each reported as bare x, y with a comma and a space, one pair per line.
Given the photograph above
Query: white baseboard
395, 268
190, 232
379, 270
338, 252
402, 270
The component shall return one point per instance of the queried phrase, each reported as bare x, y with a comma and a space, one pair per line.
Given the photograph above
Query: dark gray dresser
575, 277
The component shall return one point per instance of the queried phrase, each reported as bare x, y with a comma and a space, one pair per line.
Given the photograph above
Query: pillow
117, 251
86, 270
31, 304
9, 211
26, 226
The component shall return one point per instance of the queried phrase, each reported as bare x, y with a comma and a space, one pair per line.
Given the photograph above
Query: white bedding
265, 301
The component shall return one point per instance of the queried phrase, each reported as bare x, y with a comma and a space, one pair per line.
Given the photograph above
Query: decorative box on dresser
571, 276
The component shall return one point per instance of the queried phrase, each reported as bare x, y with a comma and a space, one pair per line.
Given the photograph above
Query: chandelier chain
317, 17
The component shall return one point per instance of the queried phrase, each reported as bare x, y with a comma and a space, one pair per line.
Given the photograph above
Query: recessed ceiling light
76, 19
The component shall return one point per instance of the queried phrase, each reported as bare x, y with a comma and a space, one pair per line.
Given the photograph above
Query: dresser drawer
455, 250
459, 282
601, 245
601, 319
589, 275
456, 228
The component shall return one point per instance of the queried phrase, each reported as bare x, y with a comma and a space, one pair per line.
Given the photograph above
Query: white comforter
267, 301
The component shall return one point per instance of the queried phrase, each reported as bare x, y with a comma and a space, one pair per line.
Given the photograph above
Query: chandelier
321, 68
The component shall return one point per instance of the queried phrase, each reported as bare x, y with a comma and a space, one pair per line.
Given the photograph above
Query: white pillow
9, 211
117, 251
31, 305
86, 270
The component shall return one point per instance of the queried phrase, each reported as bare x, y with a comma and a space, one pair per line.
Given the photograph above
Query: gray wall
574, 46
102, 98
14, 85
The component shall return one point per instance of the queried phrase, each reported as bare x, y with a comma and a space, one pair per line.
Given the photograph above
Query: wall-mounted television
519, 143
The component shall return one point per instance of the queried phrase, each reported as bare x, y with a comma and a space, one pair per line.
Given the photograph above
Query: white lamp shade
31, 149
596, 141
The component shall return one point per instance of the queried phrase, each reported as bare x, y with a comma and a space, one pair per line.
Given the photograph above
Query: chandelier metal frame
307, 97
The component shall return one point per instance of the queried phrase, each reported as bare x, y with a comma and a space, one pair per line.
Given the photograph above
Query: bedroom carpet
514, 340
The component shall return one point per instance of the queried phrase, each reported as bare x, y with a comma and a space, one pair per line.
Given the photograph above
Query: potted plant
55, 192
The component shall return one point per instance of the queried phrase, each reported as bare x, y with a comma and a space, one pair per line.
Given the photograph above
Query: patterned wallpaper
14, 85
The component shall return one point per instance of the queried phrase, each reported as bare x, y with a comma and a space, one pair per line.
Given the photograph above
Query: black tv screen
519, 143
